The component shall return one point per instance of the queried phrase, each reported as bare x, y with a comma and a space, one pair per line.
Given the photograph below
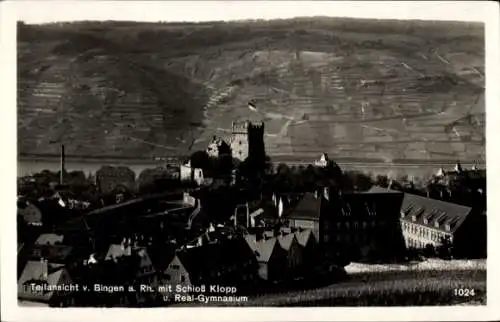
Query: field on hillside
379, 90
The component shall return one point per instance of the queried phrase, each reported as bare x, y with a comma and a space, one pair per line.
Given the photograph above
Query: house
228, 261
365, 225
306, 214
427, 223
190, 174
69, 200
49, 239
294, 253
272, 259
31, 213
144, 270
323, 161
45, 284
133, 266
308, 242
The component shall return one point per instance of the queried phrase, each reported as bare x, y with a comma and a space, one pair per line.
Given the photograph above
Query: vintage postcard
249, 160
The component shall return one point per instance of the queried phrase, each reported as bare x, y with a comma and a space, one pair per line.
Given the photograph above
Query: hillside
382, 90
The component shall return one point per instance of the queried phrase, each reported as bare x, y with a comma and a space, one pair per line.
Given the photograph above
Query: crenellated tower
247, 139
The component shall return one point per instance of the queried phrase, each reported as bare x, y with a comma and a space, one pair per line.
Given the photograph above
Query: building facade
365, 225
428, 223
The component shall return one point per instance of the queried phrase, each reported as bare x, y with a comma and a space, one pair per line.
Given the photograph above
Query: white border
46, 11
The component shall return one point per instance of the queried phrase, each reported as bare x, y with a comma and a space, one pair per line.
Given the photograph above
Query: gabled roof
116, 251
428, 211
30, 212
33, 273
304, 236
263, 248
49, 239
379, 189
309, 207
201, 260
286, 241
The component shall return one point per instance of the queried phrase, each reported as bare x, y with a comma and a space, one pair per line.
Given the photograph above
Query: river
27, 166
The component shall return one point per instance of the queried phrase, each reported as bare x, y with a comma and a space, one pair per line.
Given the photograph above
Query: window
183, 278
364, 224
174, 266
239, 142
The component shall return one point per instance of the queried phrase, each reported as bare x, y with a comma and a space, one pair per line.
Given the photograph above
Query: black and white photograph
304, 160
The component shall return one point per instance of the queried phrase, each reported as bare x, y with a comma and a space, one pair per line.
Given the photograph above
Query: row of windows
356, 238
423, 232
347, 213
415, 243
359, 225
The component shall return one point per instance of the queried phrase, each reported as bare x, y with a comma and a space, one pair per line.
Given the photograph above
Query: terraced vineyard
378, 90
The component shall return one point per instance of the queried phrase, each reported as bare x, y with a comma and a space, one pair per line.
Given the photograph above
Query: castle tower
247, 139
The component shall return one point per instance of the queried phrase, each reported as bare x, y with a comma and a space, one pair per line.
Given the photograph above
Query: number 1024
465, 292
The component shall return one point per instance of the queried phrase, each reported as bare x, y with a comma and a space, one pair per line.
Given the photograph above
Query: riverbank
27, 165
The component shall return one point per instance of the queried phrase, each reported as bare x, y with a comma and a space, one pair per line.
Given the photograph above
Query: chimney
61, 179
44, 268
248, 215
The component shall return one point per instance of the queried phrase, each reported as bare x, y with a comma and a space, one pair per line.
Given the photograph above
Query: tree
200, 159
382, 181
429, 250
445, 250
283, 169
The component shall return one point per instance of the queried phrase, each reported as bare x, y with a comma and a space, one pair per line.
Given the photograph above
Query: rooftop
263, 248
363, 205
208, 257
49, 239
303, 236
309, 207
286, 241
433, 213
34, 272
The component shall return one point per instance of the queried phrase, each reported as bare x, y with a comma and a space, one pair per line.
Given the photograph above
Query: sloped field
360, 90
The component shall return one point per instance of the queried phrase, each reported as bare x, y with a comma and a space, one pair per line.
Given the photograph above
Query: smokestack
248, 215
61, 179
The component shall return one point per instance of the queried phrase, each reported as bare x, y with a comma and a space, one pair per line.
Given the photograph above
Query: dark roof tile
433, 213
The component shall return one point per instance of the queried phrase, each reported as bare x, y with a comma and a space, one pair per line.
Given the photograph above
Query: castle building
218, 148
323, 161
247, 139
190, 174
